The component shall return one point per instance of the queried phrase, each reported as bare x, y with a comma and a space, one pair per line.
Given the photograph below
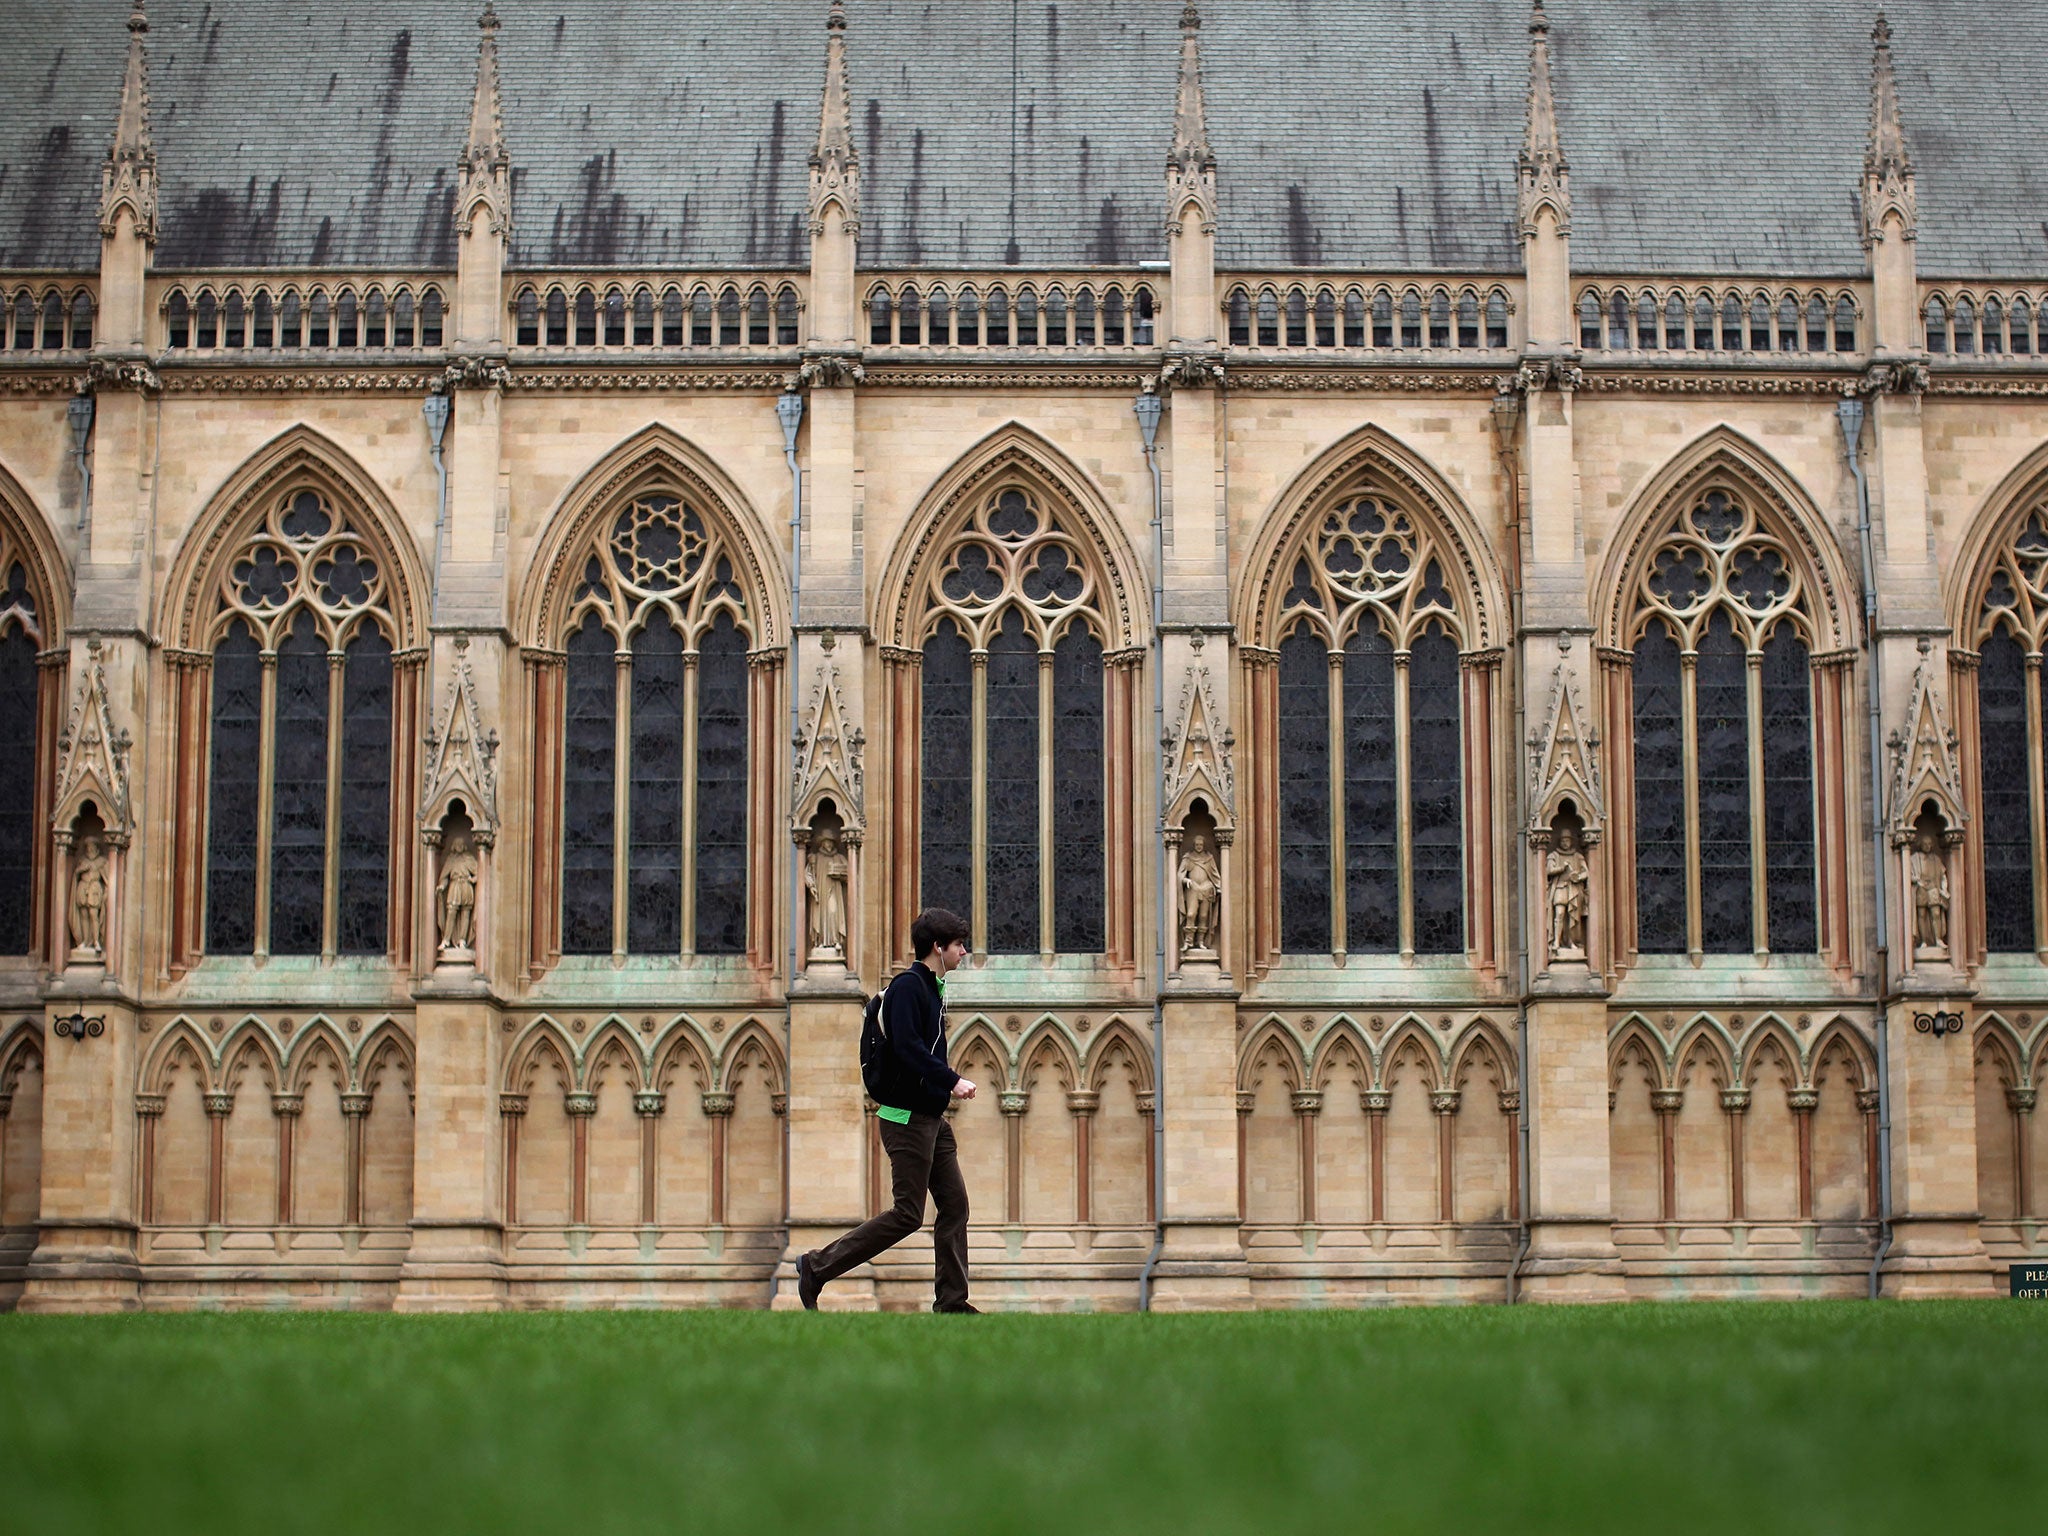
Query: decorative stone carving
829, 771
1199, 751
455, 895
1200, 902
121, 373
1928, 870
1925, 772
475, 373
1567, 877
826, 874
462, 775
1564, 763
92, 761
1190, 163
89, 899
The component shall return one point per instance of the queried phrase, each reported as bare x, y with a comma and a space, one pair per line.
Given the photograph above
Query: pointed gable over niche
92, 763
462, 758
1198, 751
128, 179
1564, 764
828, 759
1925, 773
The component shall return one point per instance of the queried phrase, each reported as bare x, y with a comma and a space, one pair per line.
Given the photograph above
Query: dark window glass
1723, 687
1372, 871
1012, 757
1304, 793
654, 836
1435, 788
1789, 876
590, 708
946, 775
365, 794
1077, 869
234, 794
2008, 796
722, 789
17, 788
1660, 795
298, 823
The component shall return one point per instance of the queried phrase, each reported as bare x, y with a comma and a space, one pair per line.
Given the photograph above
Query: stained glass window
721, 889
591, 704
1789, 871
1435, 787
1372, 828
946, 842
1304, 793
1012, 788
365, 794
1723, 745
1660, 795
1077, 832
17, 789
234, 792
2007, 777
298, 858
654, 856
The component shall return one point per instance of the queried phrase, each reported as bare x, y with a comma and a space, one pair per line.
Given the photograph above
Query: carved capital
1511, 1103
1803, 1101
1868, 1100
718, 1105
286, 1105
511, 1103
147, 1105
1307, 1101
1083, 1101
1246, 1102
1735, 1100
219, 1105
1012, 1102
649, 1103
1445, 1100
355, 1104
1375, 1101
2020, 1100
1667, 1101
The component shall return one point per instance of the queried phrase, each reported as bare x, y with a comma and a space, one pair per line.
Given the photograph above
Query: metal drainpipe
789, 411
1148, 407
437, 409
1850, 415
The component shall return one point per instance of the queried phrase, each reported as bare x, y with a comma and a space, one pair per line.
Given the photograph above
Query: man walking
911, 1085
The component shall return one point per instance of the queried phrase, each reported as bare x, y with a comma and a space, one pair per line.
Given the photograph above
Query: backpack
874, 1046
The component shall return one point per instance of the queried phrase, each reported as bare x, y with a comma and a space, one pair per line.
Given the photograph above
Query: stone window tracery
1723, 749
1012, 732
1371, 735
299, 817
655, 731
2011, 633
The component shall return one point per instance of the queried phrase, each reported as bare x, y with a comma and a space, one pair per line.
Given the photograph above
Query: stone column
1201, 1265
1571, 1212
1937, 1249
457, 1260
827, 1135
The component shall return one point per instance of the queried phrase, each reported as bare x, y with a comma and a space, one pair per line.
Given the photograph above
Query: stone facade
521, 551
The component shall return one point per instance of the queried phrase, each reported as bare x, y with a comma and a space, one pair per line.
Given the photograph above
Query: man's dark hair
935, 928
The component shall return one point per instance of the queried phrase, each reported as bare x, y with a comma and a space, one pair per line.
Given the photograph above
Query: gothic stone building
1457, 592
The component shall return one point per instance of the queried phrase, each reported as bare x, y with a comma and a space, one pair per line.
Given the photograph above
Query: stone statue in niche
1567, 877
825, 876
1929, 869
1201, 892
89, 897
455, 896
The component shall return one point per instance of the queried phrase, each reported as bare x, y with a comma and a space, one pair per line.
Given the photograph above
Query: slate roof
1721, 136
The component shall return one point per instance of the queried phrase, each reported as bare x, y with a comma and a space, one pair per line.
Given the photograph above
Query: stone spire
128, 179
1544, 175
485, 171
1190, 164
835, 163
1888, 188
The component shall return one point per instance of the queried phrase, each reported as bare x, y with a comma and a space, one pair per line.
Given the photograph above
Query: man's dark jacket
912, 1074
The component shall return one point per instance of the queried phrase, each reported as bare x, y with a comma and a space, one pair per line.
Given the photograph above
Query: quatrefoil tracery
2016, 597
1718, 557
1369, 555
1011, 554
304, 555
17, 600
658, 558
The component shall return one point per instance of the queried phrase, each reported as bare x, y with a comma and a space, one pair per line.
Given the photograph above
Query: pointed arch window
1370, 715
300, 788
1012, 733
1722, 716
2012, 739
655, 707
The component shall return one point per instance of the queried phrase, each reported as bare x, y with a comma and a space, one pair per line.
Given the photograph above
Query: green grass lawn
1819, 1417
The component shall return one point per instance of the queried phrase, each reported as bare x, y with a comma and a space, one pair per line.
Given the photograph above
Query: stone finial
1889, 192
128, 178
1190, 163
1543, 174
485, 171
835, 163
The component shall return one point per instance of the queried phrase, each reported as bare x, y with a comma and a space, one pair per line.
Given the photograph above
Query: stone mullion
688, 935
149, 1108
977, 726
1404, 806
649, 1107
1804, 1102
1511, 1112
330, 867
622, 788
1759, 874
1245, 1104
189, 746
51, 674
1082, 1104
1833, 845
718, 1110
1375, 1102
1148, 1106
266, 798
1445, 1102
405, 778
580, 1107
1689, 728
1667, 1102
1012, 1104
512, 1110
2038, 807
2021, 1102
1735, 1104
1340, 921
1308, 1104
1045, 806
544, 735
1476, 677
286, 1107
355, 1109
218, 1107
1617, 852
766, 885
905, 808
1969, 893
